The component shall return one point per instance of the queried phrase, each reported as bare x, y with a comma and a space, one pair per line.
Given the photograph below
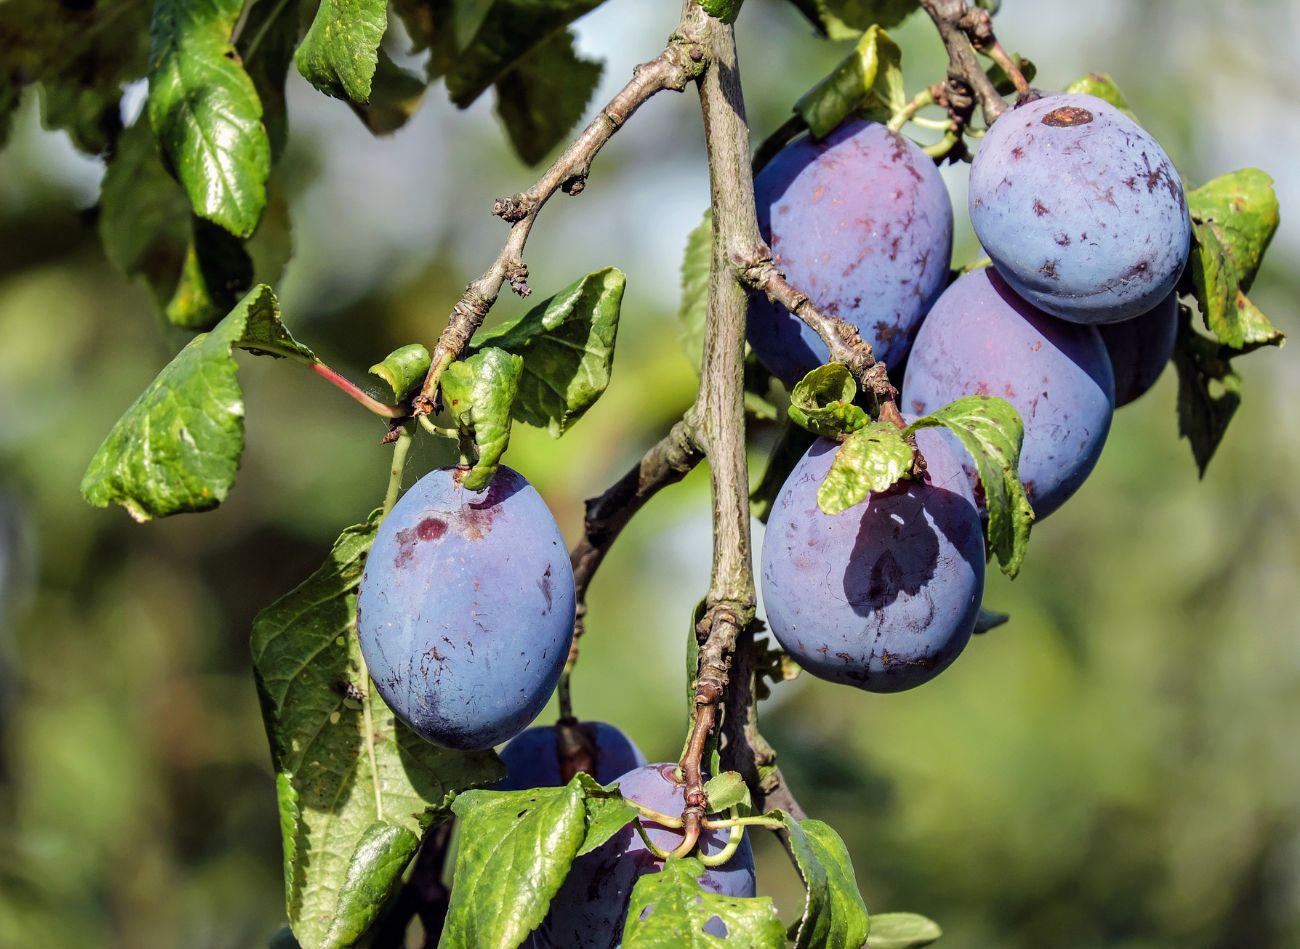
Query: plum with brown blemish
862, 223
982, 338
884, 595
465, 612
1140, 348
590, 909
1081, 210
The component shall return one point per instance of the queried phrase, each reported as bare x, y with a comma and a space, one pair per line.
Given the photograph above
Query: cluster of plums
466, 608
1084, 219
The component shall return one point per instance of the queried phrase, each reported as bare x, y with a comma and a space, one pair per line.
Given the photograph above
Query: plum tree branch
679, 63
667, 462
961, 27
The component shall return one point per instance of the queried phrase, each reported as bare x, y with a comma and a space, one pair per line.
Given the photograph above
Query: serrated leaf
834, 913
567, 346
607, 814
1234, 217
989, 619
694, 311
515, 851
341, 766
670, 909
822, 402
902, 931
992, 431
480, 392
1100, 84
726, 790
870, 460
1209, 391
402, 370
340, 52
266, 44
81, 55
374, 871
205, 112
177, 448
544, 95
869, 79
395, 94
217, 271
724, 10
509, 30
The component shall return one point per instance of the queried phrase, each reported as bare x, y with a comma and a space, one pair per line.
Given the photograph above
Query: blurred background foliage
1116, 767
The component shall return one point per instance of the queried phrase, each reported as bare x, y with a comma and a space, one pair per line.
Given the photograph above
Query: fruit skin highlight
860, 221
1080, 210
1140, 348
465, 612
981, 338
590, 909
884, 595
532, 760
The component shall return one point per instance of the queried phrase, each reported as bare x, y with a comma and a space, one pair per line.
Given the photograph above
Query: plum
1140, 348
862, 223
981, 338
590, 909
465, 612
884, 595
1080, 209
532, 757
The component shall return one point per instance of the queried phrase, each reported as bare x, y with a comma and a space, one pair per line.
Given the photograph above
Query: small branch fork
966, 30
679, 63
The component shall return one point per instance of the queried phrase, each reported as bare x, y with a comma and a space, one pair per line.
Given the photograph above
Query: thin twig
679, 63
958, 25
667, 462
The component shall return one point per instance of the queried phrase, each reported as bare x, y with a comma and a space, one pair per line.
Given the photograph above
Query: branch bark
680, 62
960, 26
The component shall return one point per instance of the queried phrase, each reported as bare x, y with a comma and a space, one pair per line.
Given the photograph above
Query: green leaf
989, 619
356, 787
872, 459
694, 312
847, 19
792, 443
431, 25
177, 448
266, 43
340, 52
395, 94
375, 869
1234, 217
902, 931
869, 79
726, 790
402, 370
509, 30
81, 55
822, 402
992, 431
567, 346
1209, 390
670, 909
607, 814
1100, 84
544, 95
834, 913
724, 10
515, 851
480, 392
205, 112
217, 271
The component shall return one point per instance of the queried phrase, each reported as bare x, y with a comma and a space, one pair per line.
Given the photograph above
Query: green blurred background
1119, 766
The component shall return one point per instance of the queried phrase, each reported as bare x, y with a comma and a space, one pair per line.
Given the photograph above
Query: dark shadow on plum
890, 558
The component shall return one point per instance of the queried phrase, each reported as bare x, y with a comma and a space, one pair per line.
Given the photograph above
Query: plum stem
401, 447
908, 113
728, 850
664, 820
679, 62
771, 823
437, 430
649, 844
